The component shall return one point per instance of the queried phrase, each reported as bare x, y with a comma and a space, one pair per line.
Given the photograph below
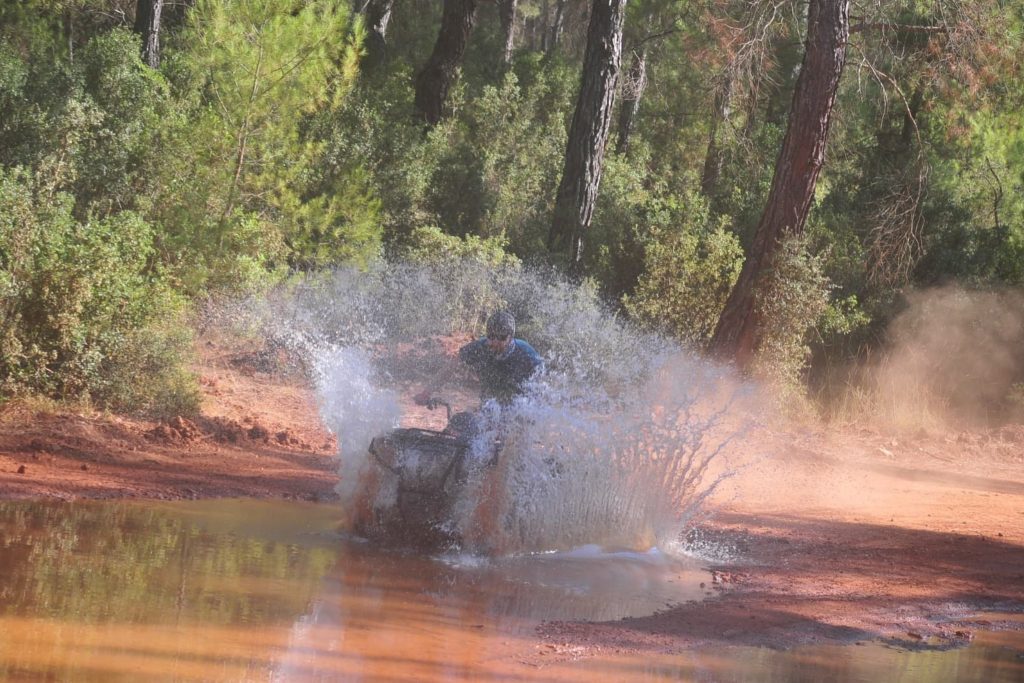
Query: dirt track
848, 537
258, 436
844, 535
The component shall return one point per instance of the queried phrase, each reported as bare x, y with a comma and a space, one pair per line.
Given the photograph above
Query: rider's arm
436, 383
534, 364
446, 373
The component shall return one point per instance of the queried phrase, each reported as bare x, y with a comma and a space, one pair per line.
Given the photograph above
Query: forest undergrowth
266, 146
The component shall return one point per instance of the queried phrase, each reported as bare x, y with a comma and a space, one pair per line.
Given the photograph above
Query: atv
413, 480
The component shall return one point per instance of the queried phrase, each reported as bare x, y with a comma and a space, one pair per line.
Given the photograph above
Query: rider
503, 363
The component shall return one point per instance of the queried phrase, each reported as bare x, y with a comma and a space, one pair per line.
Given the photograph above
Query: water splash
632, 475
354, 406
618, 444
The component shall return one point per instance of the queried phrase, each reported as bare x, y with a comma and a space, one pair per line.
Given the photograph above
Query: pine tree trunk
377, 15
796, 172
632, 92
507, 14
147, 25
437, 77
555, 34
588, 134
713, 157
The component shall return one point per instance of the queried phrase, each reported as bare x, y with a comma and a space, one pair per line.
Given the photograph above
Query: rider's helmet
501, 324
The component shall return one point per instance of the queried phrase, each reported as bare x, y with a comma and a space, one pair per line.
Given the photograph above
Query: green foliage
746, 179
790, 302
137, 188
516, 138
510, 143
82, 314
251, 189
431, 245
466, 273
374, 131
490, 170
262, 147
842, 317
90, 128
688, 275
975, 207
114, 161
629, 206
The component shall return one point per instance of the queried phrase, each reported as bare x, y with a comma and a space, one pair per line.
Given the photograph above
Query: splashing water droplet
617, 444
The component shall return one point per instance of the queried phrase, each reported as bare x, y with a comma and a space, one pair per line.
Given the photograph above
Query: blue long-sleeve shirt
502, 377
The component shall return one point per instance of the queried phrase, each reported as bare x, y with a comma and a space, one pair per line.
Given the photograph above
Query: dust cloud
953, 358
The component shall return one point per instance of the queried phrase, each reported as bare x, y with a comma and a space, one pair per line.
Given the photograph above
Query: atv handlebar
432, 403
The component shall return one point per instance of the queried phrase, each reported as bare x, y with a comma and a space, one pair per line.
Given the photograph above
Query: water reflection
97, 591
245, 590
250, 591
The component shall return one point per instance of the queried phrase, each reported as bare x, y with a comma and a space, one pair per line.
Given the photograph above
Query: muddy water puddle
269, 591
248, 590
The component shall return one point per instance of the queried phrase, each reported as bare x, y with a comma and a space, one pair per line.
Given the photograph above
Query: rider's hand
422, 398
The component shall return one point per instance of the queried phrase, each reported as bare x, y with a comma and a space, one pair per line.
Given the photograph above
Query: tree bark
632, 92
147, 25
433, 83
68, 21
588, 133
376, 16
713, 157
796, 172
555, 34
507, 14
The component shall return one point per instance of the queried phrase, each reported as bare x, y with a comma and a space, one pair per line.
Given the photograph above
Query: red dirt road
258, 436
833, 535
848, 537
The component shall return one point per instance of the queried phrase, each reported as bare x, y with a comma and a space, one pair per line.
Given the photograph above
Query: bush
252, 187
489, 170
83, 315
688, 273
791, 299
431, 245
688, 277
147, 371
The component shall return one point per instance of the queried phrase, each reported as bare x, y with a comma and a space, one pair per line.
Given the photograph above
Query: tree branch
997, 194
885, 26
656, 36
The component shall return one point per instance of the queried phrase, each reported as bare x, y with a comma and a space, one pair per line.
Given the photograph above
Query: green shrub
91, 128
489, 170
431, 245
147, 370
518, 135
373, 130
790, 301
688, 277
83, 314
466, 272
